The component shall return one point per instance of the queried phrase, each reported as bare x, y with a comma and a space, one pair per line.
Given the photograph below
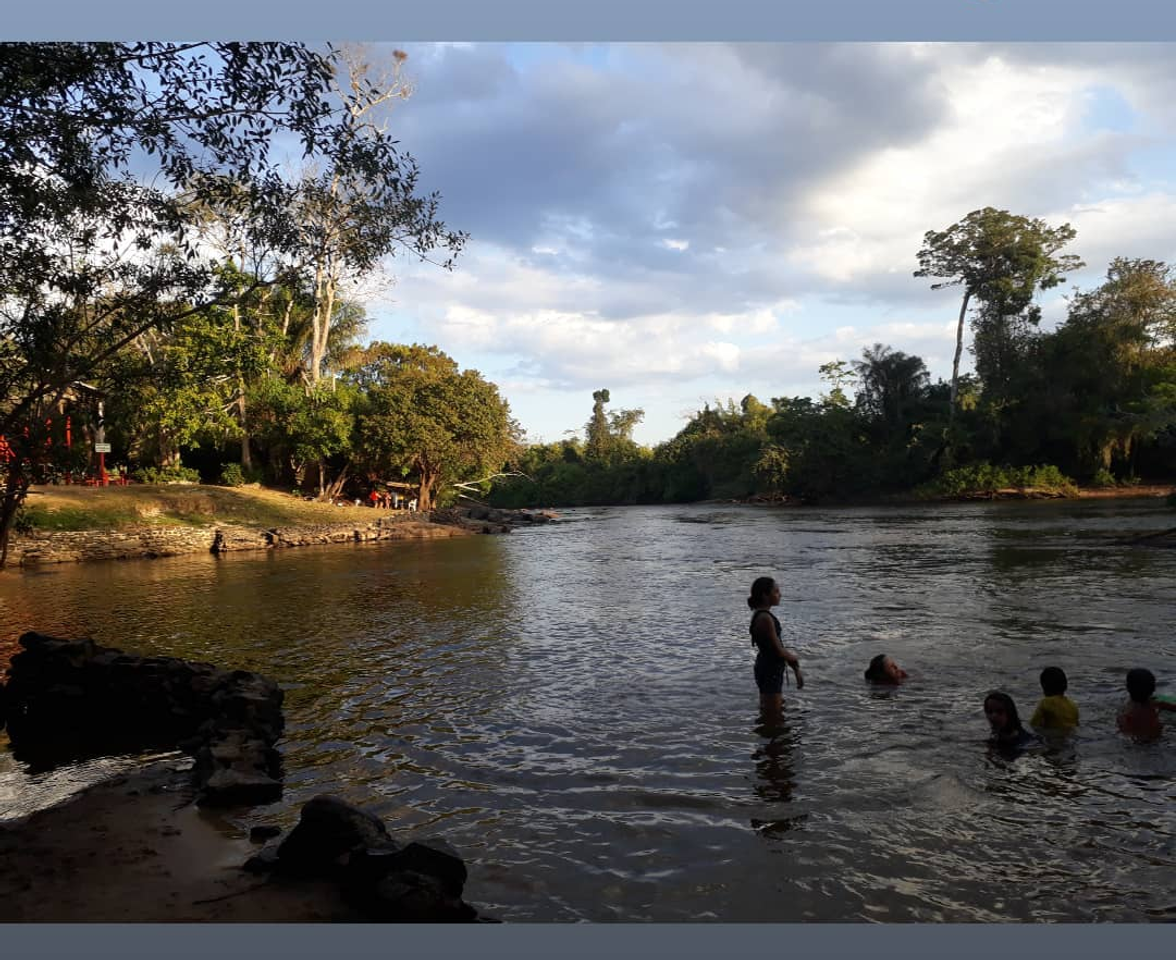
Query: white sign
102, 448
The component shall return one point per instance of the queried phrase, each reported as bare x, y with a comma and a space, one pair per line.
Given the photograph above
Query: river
572, 706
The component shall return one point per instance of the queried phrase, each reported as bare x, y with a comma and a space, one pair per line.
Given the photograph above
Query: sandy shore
136, 849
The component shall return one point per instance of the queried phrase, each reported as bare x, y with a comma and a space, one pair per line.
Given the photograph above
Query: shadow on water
775, 772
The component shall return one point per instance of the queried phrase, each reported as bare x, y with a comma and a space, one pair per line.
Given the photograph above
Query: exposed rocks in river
482, 519
74, 697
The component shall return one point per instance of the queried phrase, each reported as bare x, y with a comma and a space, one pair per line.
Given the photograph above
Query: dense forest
1092, 402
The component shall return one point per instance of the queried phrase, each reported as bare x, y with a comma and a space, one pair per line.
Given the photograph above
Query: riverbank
137, 849
1140, 492
65, 524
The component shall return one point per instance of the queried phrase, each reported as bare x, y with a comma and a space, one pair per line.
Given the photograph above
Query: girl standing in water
772, 658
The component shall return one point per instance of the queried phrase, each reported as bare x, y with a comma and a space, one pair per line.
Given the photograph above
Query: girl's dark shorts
769, 675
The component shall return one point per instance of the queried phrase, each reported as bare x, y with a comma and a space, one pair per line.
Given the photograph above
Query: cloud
687, 220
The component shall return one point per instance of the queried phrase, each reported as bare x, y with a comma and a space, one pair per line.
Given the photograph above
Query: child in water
883, 669
1006, 724
1139, 717
1056, 711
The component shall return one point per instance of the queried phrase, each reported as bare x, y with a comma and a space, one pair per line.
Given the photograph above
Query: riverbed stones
96, 699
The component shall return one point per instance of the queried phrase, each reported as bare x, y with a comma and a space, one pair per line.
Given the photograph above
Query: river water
572, 706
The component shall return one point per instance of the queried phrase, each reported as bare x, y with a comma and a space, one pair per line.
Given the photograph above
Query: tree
890, 384
350, 219
1000, 259
609, 436
111, 155
423, 416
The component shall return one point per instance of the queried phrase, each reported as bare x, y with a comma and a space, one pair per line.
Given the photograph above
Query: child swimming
1139, 717
883, 669
1006, 724
1056, 711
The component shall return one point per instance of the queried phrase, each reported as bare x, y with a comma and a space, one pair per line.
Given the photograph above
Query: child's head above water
1053, 681
1002, 714
1141, 684
884, 669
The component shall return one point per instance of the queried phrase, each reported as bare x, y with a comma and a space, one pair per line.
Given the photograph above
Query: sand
136, 849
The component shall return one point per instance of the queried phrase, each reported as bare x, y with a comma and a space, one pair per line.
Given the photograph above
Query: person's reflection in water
774, 773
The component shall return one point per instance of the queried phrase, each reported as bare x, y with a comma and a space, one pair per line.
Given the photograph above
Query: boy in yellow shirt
1056, 711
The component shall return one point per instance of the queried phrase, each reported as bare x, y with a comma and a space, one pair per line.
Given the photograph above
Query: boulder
328, 829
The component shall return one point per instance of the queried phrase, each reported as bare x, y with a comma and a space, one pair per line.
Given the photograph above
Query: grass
110, 508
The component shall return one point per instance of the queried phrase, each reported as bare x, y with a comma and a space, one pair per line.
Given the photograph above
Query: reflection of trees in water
774, 773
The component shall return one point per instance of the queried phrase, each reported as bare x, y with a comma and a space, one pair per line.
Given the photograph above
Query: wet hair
1141, 684
1053, 681
876, 670
759, 590
1013, 722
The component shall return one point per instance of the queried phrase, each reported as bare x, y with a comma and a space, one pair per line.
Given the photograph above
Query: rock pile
482, 519
78, 694
419, 881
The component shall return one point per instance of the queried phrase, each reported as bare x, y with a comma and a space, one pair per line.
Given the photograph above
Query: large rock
328, 830
97, 700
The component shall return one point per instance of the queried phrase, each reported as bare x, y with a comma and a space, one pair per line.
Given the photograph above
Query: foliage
422, 416
171, 473
984, 478
232, 475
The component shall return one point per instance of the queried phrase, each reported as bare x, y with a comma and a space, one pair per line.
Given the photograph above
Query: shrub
1104, 478
232, 475
178, 474
983, 477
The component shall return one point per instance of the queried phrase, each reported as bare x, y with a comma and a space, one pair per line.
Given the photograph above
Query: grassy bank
61, 508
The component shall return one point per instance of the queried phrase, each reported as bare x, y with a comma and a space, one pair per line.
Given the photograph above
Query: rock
229, 721
239, 788
436, 858
263, 832
327, 829
416, 897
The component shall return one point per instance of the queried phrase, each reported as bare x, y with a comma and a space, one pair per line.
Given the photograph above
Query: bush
1103, 478
232, 475
180, 474
984, 478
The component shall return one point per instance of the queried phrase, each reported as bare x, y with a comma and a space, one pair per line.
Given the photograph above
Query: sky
689, 223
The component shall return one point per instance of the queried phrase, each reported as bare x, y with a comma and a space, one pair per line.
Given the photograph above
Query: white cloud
804, 177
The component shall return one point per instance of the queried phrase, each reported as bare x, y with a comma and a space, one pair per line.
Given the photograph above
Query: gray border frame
749, 20
522, 20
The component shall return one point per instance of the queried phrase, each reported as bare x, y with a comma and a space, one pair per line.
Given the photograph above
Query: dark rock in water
77, 696
263, 832
239, 788
435, 858
327, 830
264, 861
417, 897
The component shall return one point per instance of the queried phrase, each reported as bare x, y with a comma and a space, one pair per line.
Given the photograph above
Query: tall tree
1001, 260
422, 416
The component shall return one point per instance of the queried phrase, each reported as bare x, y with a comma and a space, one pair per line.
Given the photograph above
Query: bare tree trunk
14, 489
336, 486
955, 364
246, 454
